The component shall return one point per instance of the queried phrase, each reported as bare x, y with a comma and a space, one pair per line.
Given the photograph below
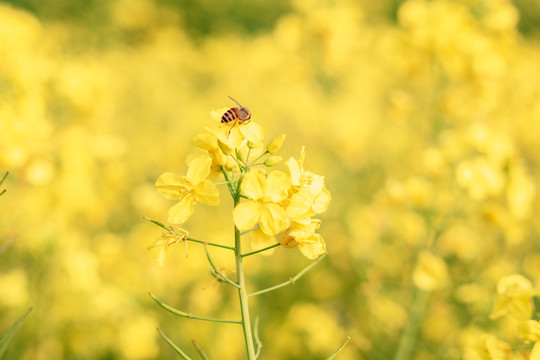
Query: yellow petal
252, 131
229, 136
321, 202
199, 169
430, 272
300, 205
295, 171
313, 247
535, 353
170, 185
207, 193
260, 240
206, 141
520, 308
277, 186
162, 255
529, 330
316, 182
287, 240
217, 114
273, 219
180, 212
302, 156
253, 185
246, 215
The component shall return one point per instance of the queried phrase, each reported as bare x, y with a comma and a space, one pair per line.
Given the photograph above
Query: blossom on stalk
487, 347
529, 330
310, 244
309, 195
430, 272
515, 293
231, 136
167, 240
264, 193
189, 189
208, 141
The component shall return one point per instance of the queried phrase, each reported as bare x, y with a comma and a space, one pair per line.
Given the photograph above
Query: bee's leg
229, 133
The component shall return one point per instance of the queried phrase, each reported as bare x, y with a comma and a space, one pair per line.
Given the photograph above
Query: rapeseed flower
515, 293
430, 272
167, 240
487, 347
529, 330
189, 189
208, 141
303, 235
231, 135
309, 196
264, 193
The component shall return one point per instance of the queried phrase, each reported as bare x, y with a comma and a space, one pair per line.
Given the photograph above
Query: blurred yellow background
423, 116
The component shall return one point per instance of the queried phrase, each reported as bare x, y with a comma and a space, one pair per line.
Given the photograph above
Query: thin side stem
189, 315
260, 156
291, 280
201, 352
333, 356
160, 224
4, 177
242, 292
217, 273
229, 183
253, 228
173, 345
261, 250
257, 338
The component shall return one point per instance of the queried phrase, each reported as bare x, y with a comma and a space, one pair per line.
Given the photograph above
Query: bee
239, 114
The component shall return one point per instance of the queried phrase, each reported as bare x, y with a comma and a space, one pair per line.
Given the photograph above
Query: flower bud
272, 161
252, 144
276, 144
224, 147
239, 155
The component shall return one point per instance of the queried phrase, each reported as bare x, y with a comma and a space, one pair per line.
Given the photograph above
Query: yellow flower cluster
275, 201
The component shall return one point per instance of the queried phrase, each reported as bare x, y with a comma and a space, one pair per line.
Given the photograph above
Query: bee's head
244, 114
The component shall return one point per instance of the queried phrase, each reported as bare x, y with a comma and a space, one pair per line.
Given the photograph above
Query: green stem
257, 339
229, 183
291, 280
242, 292
6, 338
217, 273
160, 224
173, 345
189, 315
261, 250
201, 352
333, 356
260, 156
410, 333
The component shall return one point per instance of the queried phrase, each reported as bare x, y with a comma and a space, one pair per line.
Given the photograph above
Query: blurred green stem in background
6, 338
409, 337
2, 181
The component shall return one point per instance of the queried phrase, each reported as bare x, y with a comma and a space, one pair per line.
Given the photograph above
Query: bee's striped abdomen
230, 115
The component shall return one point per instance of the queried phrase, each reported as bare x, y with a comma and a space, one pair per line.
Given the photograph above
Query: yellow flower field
419, 119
